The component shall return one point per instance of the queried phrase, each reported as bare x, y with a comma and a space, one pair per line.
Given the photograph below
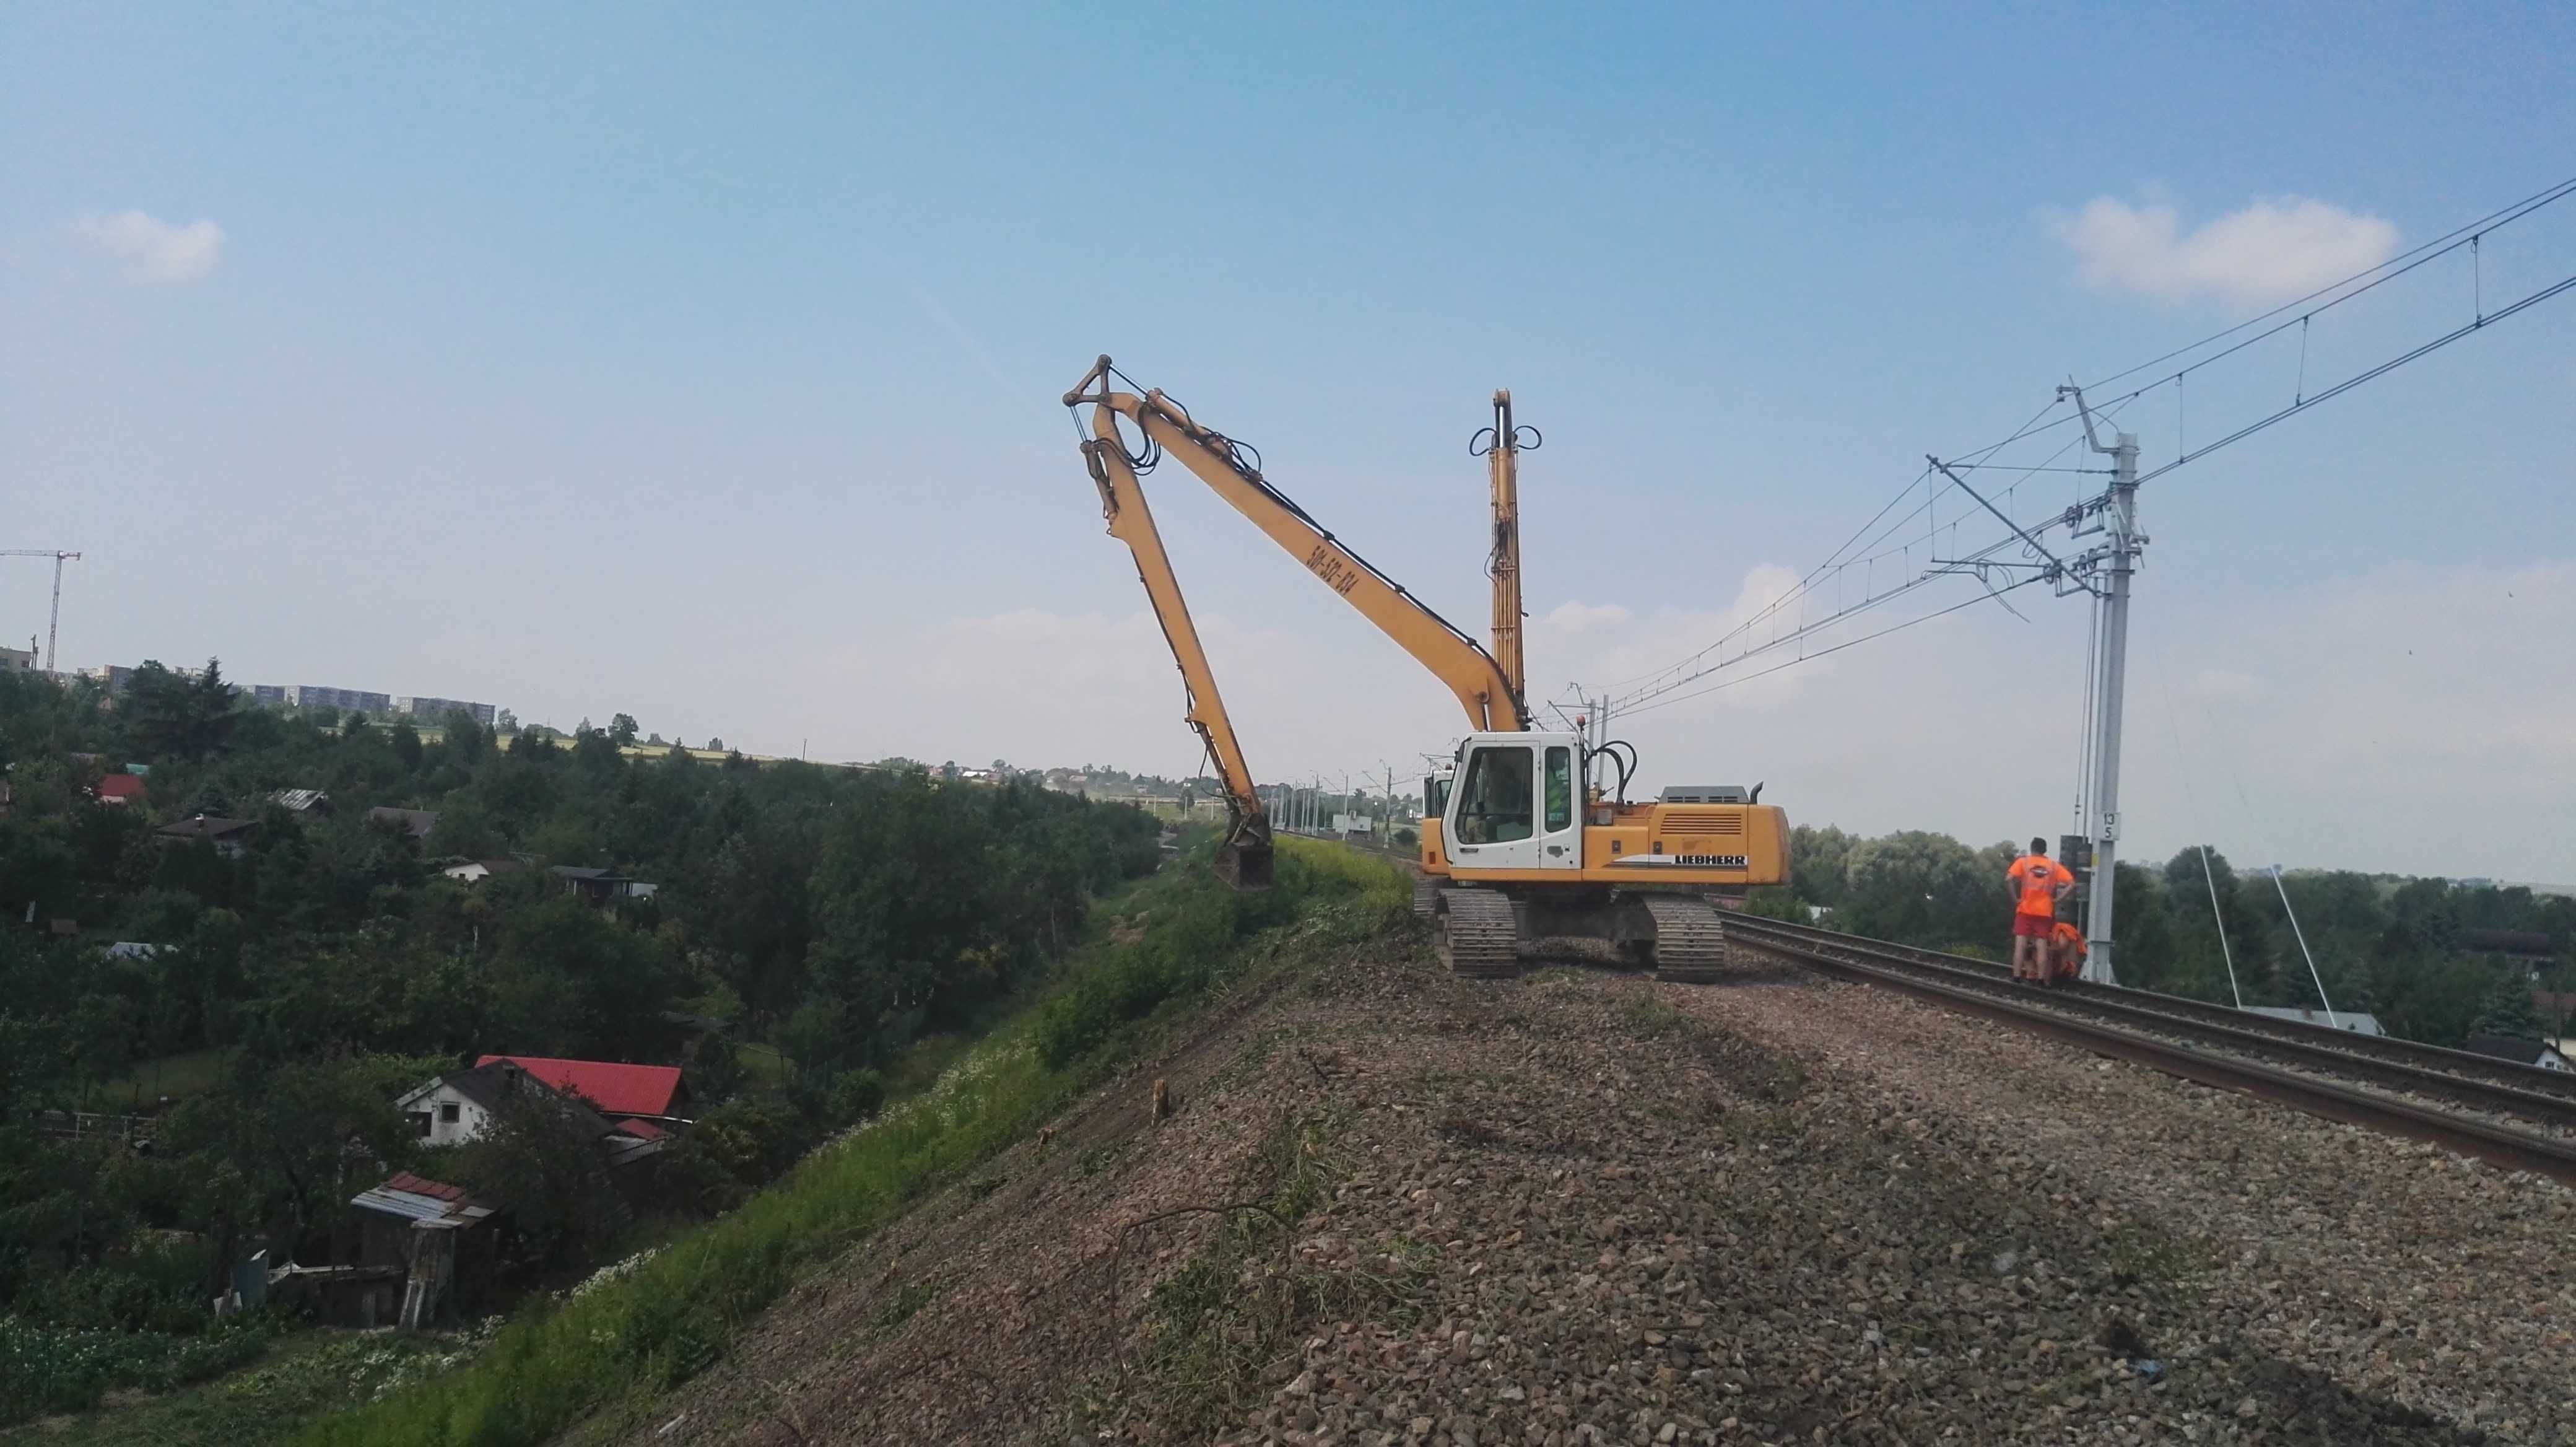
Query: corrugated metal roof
299, 800
400, 1203
417, 1198
423, 1186
415, 822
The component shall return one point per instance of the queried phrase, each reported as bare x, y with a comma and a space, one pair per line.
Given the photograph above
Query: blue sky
703, 365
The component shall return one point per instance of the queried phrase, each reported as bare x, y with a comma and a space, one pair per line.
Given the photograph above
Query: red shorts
2033, 926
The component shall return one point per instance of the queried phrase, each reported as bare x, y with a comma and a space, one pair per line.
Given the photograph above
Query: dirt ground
1584, 1207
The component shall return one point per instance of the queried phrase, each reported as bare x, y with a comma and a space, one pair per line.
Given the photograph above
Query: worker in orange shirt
2067, 949
2036, 883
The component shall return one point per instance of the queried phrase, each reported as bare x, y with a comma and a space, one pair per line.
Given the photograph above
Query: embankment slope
1389, 1206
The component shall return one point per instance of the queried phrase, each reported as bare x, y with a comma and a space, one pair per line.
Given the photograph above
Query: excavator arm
1502, 444
1244, 856
1491, 697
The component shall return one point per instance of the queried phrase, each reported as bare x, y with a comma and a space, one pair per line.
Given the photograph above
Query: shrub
67, 1369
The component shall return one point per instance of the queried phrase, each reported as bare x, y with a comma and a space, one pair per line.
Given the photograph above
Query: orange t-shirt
2066, 934
2039, 877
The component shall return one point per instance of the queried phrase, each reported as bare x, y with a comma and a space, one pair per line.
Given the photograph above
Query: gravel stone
1769, 1211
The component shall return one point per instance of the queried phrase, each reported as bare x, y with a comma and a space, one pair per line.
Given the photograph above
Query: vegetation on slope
670, 1317
811, 925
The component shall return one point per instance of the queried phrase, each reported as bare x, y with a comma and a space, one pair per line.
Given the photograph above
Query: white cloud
2452, 688
159, 250
2271, 250
1571, 617
1674, 636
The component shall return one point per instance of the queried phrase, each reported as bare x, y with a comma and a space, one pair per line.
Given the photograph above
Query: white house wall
470, 1122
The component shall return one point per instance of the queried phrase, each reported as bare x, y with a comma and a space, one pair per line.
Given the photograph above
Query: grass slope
652, 1328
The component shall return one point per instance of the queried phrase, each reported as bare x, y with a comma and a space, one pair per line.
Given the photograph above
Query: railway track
2311, 1068
2203, 1013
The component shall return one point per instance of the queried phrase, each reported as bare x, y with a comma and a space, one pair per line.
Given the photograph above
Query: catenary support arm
1457, 660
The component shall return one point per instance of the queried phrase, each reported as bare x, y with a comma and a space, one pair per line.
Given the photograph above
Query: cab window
1435, 795
1494, 797
1560, 788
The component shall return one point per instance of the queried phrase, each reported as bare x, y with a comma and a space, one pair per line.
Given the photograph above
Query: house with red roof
461, 1105
119, 789
649, 1091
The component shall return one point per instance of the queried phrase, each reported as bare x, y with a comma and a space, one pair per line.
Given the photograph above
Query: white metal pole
2121, 518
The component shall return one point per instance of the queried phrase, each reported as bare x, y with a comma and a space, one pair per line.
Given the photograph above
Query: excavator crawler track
1426, 897
1479, 938
1690, 939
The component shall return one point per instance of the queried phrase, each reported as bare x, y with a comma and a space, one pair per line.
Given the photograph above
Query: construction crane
1522, 849
53, 623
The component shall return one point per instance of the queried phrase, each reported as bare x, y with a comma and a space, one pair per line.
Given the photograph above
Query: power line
1821, 652
2447, 241
1835, 562
1660, 683
2347, 384
1664, 684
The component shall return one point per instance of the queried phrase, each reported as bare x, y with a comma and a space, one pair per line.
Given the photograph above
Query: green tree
407, 746
621, 730
2193, 878
1924, 888
1818, 860
2506, 1008
268, 1152
168, 716
541, 1154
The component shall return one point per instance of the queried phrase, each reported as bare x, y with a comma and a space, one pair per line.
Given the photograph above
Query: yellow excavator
1518, 849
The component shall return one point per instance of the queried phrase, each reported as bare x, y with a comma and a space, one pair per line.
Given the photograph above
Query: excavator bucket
1243, 856
1244, 864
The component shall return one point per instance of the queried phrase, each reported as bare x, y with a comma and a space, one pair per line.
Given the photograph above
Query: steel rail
2500, 1145
2475, 1092
2196, 1014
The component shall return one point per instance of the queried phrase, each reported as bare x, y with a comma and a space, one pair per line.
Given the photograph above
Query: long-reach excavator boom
1490, 694
1502, 446
1244, 857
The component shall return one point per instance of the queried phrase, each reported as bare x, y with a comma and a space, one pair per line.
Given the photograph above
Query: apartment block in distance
308, 695
432, 710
